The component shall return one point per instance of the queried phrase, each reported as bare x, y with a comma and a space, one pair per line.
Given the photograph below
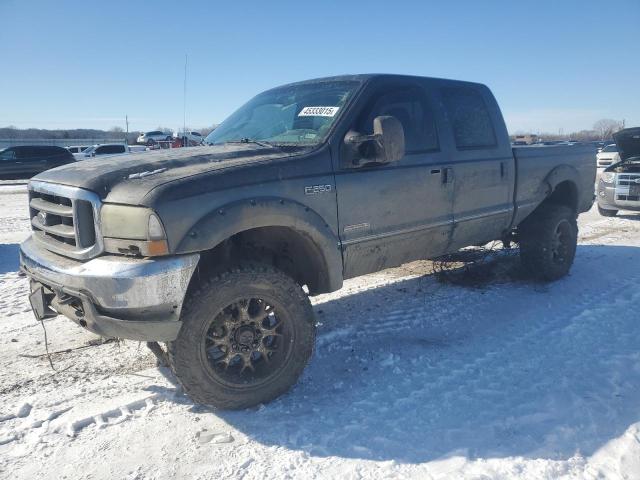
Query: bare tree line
114, 133
602, 130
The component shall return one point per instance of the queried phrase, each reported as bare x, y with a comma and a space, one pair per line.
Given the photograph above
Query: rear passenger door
482, 169
394, 213
32, 160
56, 157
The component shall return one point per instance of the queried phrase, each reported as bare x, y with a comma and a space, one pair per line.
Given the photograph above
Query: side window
7, 155
110, 149
29, 154
49, 152
469, 117
410, 107
20, 153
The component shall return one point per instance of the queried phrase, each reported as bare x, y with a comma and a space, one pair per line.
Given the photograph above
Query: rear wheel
548, 241
607, 213
246, 338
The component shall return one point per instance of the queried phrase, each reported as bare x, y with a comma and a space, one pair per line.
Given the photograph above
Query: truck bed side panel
541, 169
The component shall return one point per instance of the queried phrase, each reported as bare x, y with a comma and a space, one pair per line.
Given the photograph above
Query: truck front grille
628, 189
63, 219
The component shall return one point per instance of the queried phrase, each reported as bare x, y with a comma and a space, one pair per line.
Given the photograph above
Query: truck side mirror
384, 146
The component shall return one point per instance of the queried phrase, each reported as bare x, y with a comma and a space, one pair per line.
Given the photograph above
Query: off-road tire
607, 213
206, 302
539, 237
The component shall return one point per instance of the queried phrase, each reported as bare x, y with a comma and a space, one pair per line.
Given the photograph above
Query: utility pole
184, 104
126, 121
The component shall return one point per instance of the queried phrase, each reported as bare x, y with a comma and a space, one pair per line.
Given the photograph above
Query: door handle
447, 175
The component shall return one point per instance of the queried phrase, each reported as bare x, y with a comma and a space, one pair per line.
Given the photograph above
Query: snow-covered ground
412, 378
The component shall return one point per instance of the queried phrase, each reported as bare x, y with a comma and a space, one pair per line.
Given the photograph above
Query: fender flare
236, 217
561, 173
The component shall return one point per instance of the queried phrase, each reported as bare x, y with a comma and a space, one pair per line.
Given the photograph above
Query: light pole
184, 104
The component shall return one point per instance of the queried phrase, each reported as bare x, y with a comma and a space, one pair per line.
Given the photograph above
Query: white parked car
110, 149
77, 148
608, 156
138, 148
149, 138
192, 138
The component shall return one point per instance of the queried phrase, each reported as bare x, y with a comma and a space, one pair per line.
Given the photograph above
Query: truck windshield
291, 115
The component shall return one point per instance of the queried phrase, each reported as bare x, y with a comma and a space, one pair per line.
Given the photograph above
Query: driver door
394, 213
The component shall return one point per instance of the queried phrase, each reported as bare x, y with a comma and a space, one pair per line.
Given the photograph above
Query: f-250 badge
315, 189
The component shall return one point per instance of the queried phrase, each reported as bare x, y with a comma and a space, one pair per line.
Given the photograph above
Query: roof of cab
363, 77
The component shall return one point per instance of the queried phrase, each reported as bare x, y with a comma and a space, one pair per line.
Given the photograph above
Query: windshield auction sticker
318, 112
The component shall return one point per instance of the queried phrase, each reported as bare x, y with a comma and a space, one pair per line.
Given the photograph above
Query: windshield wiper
255, 142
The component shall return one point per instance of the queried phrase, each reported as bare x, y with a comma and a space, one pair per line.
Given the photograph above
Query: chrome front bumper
113, 296
612, 196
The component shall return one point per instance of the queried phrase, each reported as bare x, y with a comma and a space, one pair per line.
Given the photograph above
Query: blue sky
551, 64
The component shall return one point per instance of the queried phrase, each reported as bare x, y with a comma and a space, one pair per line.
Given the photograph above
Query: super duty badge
315, 189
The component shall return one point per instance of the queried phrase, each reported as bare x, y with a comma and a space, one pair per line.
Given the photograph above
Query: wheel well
285, 248
565, 193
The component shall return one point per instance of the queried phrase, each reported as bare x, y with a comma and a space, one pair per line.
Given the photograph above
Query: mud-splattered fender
228, 220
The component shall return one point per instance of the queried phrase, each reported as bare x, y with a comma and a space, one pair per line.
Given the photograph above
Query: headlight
132, 231
608, 177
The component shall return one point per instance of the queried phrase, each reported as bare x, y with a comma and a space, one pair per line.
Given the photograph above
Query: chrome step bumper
114, 296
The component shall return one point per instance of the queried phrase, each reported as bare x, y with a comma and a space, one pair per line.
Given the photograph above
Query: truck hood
129, 178
628, 141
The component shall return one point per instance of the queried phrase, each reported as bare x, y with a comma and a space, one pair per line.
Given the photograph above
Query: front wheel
548, 241
245, 339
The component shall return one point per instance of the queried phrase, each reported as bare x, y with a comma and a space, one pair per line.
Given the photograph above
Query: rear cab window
469, 117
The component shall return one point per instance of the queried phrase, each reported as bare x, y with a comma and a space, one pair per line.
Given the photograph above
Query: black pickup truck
214, 250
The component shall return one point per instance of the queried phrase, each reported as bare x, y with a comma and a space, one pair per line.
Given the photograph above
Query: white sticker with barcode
318, 112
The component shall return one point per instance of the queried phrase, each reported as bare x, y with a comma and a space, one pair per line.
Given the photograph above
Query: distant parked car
138, 148
619, 184
608, 156
149, 138
103, 149
27, 161
190, 138
77, 148
603, 144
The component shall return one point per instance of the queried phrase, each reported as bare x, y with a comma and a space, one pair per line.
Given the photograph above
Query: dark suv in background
27, 161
